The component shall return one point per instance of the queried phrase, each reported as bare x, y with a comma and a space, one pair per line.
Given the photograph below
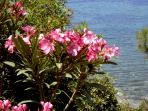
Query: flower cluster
87, 42
77, 42
28, 32
20, 107
47, 106
5, 105
17, 10
9, 44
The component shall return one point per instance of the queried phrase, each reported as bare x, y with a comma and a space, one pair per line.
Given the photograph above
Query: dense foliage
142, 40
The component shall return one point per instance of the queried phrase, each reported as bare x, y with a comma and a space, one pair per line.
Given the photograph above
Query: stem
1, 84
54, 92
74, 94
40, 86
41, 91
1, 79
38, 80
59, 79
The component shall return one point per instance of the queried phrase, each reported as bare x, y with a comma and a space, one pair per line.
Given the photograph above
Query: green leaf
31, 102
17, 32
109, 62
29, 69
28, 80
24, 46
59, 65
2, 4
58, 92
52, 84
68, 75
11, 64
24, 72
21, 71
18, 81
65, 93
17, 44
34, 49
98, 86
30, 88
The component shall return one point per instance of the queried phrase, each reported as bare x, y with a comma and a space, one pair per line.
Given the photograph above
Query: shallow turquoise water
119, 21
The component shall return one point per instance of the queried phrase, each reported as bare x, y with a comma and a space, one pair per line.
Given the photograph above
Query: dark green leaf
31, 102
109, 62
2, 3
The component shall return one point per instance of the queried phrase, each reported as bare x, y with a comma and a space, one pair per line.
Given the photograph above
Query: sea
119, 21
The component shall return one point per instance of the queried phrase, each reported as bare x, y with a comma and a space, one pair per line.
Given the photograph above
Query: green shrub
142, 40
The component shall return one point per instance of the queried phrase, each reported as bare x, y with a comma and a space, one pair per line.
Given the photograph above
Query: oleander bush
41, 60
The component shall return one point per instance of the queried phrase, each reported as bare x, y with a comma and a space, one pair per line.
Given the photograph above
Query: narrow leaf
68, 75
24, 46
11, 64
21, 71
30, 88
109, 62
52, 84
32, 102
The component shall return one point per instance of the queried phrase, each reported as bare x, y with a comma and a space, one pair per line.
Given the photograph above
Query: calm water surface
118, 21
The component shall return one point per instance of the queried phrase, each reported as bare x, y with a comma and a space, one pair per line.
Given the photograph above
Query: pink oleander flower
22, 12
75, 37
17, 5
110, 52
41, 36
66, 37
71, 36
91, 55
26, 40
100, 41
56, 35
9, 44
20, 107
46, 46
98, 44
29, 30
73, 49
47, 106
1, 104
88, 37
18, 10
5, 105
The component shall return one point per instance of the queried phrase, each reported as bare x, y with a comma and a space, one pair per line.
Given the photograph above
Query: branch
75, 92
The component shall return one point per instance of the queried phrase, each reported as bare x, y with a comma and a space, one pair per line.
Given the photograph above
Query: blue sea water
119, 21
